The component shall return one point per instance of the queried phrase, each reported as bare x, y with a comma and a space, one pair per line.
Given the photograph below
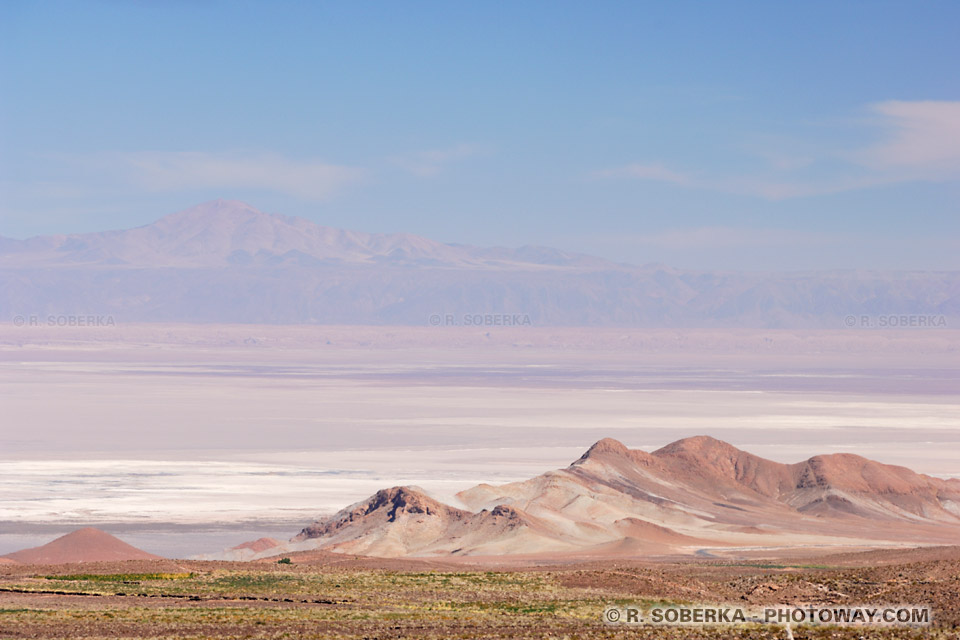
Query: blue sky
727, 135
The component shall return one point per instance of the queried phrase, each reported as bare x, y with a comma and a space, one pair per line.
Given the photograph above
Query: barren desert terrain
337, 596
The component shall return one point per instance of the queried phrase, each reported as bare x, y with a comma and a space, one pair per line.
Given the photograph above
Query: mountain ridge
229, 232
226, 262
691, 494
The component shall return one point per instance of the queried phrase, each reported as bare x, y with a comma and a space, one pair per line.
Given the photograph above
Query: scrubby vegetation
211, 600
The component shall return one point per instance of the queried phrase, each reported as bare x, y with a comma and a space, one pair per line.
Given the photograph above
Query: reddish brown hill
257, 546
855, 473
692, 494
852, 484
83, 545
608, 448
709, 458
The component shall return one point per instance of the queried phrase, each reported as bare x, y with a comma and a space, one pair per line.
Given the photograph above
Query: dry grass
215, 600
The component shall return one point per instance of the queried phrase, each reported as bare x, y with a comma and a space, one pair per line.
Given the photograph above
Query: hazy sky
700, 134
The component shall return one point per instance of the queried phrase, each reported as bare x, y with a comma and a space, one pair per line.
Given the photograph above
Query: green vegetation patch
121, 577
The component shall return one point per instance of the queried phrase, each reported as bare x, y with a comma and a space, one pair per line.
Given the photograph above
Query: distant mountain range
224, 261
692, 496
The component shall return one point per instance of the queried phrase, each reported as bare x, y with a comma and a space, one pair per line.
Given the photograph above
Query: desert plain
186, 440
336, 596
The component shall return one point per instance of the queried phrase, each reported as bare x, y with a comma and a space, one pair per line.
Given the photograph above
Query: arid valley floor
330, 596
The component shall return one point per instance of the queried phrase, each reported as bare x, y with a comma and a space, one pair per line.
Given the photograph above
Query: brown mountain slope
842, 484
853, 484
692, 494
711, 458
83, 545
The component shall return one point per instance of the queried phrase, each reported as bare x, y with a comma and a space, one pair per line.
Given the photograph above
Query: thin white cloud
918, 141
922, 138
433, 161
80, 175
182, 170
